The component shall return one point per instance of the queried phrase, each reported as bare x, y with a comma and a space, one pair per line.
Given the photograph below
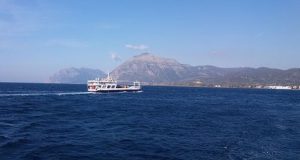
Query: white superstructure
108, 84
279, 87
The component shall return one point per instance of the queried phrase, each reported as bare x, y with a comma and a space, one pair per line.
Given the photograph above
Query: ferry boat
108, 84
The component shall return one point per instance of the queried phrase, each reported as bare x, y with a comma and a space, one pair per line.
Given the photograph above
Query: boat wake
43, 94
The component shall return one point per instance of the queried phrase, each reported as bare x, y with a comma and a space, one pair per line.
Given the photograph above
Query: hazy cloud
16, 18
259, 35
115, 57
217, 53
107, 26
69, 43
137, 47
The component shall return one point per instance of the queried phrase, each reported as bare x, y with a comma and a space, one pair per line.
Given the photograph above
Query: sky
40, 37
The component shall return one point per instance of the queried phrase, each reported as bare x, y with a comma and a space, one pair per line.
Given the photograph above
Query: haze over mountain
153, 69
75, 75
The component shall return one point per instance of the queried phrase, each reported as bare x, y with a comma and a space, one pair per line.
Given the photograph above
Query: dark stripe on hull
115, 91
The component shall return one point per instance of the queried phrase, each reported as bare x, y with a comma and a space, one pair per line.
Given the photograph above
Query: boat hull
117, 90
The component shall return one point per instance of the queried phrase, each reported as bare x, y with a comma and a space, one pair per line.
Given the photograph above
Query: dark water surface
51, 121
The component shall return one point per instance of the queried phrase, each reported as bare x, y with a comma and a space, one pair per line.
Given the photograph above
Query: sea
65, 122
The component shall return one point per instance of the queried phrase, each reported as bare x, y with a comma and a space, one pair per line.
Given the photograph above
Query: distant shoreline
162, 85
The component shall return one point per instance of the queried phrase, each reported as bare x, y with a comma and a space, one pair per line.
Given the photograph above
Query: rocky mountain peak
150, 68
150, 58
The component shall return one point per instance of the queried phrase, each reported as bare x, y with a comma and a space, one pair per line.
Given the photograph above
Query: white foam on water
44, 94
6, 124
73, 93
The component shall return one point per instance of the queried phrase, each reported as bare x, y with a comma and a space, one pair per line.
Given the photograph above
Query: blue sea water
56, 121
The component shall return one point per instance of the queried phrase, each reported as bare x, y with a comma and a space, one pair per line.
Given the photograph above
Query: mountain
75, 75
263, 75
158, 70
150, 68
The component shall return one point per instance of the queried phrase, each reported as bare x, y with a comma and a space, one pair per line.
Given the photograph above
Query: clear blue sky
39, 37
